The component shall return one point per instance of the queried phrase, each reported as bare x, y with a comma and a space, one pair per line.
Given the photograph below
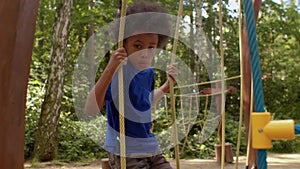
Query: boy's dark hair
147, 17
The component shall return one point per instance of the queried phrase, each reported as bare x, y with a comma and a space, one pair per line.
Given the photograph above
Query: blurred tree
46, 146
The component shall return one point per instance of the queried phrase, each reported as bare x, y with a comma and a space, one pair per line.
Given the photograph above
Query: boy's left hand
172, 71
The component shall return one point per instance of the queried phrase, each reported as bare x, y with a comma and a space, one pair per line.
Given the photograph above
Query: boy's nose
144, 53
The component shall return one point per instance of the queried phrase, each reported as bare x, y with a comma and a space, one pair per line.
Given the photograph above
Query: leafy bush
75, 141
288, 146
35, 94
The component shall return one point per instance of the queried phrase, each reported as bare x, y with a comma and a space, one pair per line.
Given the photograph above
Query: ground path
275, 161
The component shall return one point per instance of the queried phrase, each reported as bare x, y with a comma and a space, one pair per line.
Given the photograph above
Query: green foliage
195, 149
280, 59
232, 135
287, 146
75, 143
35, 94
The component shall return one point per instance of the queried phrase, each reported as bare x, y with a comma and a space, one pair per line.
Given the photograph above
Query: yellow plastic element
264, 130
259, 139
280, 130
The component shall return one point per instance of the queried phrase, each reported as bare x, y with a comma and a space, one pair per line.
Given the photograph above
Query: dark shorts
154, 162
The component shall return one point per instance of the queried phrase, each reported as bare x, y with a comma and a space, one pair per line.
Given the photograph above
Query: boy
140, 44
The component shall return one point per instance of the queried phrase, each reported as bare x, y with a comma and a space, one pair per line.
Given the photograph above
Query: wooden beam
17, 29
247, 83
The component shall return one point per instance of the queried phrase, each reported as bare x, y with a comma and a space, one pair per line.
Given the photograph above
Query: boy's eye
138, 46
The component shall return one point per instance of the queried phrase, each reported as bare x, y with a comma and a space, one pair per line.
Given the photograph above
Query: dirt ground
275, 161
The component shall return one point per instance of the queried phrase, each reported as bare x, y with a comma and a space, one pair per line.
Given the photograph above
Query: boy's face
141, 49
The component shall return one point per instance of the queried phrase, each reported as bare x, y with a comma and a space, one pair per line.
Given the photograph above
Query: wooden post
228, 153
17, 29
105, 163
247, 83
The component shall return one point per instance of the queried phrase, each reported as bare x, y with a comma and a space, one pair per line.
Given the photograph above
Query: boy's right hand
118, 58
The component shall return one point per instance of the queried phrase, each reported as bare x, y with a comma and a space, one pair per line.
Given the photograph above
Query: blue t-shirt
138, 89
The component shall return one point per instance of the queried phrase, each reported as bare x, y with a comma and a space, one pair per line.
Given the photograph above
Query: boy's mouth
144, 64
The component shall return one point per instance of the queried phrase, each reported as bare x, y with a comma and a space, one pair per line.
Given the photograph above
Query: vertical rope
173, 106
166, 106
297, 129
121, 91
241, 86
206, 105
256, 71
183, 123
175, 42
249, 132
222, 83
154, 119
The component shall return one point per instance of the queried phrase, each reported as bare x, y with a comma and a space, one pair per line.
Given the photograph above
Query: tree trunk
46, 143
91, 49
198, 42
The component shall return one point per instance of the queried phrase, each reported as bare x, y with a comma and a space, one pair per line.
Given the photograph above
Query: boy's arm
96, 97
172, 71
160, 92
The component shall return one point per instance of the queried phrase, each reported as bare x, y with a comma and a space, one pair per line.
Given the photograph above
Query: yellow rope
249, 132
121, 91
209, 82
241, 87
200, 95
205, 110
186, 131
175, 42
166, 106
222, 84
173, 105
154, 119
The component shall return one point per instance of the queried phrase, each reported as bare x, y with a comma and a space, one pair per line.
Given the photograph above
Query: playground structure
265, 130
249, 50
16, 46
17, 34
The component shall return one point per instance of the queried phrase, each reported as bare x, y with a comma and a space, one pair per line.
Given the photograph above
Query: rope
209, 82
186, 131
241, 87
222, 84
200, 95
182, 121
249, 132
173, 105
166, 106
121, 91
297, 129
205, 109
175, 42
256, 72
